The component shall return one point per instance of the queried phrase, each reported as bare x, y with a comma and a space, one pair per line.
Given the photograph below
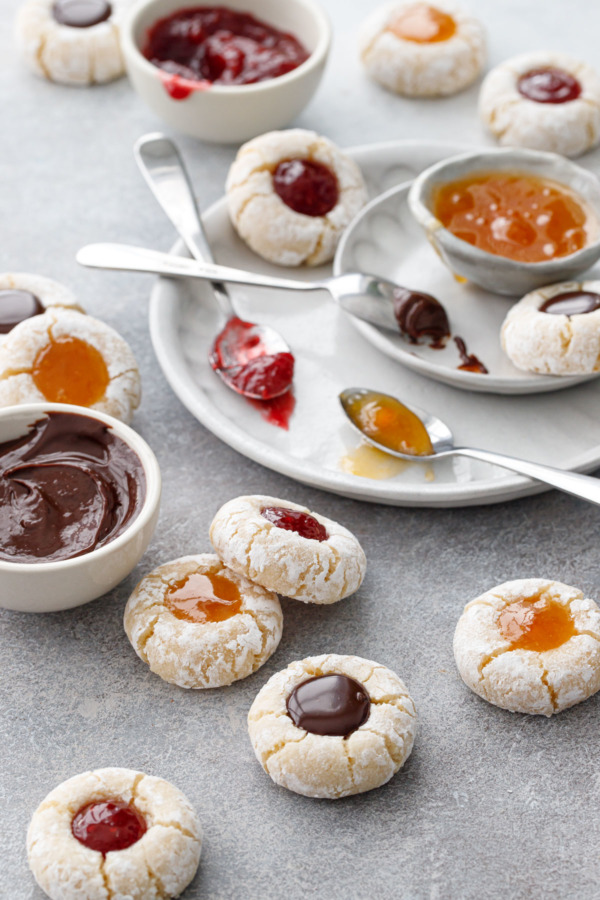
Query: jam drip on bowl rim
420, 315
549, 85
16, 305
571, 303
108, 825
333, 705
67, 487
204, 597
306, 186
294, 520
221, 46
81, 13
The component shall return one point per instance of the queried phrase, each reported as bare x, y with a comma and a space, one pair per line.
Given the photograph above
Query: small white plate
559, 429
385, 240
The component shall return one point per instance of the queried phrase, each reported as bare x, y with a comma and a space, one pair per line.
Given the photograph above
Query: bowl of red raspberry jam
79, 502
226, 73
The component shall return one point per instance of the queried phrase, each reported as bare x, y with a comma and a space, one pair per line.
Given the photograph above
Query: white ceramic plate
385, 240
562, 429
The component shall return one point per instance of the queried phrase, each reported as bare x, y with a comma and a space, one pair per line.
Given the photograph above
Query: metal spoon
364, 296
239, 342
442, 441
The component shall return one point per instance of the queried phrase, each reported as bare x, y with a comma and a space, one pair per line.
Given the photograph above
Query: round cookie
330, 726
322, 568
568, 124
23, 296
324, 184
549, 332
71, 41
64, 356
152, 821
530, 646
422, 49
199, 644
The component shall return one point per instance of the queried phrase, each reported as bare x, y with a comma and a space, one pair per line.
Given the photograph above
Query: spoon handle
139, 259
584, 486
164, 171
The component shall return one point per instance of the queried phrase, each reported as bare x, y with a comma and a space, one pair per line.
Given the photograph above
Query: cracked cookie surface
314, 571
326, 765
157, 866
201, 654
553, 344
269, 226
421, 67
69, 55
539, 682
28, 340
569, 128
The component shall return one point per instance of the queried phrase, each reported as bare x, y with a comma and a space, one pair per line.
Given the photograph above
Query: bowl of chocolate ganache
79, 502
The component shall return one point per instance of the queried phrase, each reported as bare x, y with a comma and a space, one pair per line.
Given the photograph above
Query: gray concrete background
490, 804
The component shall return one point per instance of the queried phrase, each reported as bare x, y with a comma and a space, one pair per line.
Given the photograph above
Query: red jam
307, 187
107, 825
293, 520
245, 363
549, 85
221, 46
277, 411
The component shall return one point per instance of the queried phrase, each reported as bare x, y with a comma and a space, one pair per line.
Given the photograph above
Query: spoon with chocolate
415, 435
252, 359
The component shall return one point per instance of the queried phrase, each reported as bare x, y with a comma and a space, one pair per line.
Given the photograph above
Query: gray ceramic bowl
497, 273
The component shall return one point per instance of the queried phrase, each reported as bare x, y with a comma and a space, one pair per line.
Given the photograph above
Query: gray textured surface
490, 804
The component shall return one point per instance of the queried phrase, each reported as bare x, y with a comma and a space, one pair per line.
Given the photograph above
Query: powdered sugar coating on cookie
270, 227
552, 344
283, 561
568, 128
159, 865
23, 344
69, 55
332, 766
48, 292
529, 681
422, 69
201, 655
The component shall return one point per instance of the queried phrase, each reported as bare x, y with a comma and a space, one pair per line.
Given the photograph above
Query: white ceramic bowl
497, 273
231, 114
52, 586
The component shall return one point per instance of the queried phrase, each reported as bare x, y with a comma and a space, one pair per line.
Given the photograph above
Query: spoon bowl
442, 443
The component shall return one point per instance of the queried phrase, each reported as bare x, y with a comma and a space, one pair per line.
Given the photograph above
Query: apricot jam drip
307, 187
204, 597
536, 623
69, 370
389, 422
293, 520
107, 825
514, 214
549, 85
423, 24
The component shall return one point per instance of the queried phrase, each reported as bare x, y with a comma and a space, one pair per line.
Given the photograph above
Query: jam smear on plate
469, 362
549, 85
293, 520
306, 186
108, 825
221, 46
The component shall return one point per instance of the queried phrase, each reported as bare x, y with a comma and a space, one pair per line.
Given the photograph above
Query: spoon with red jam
252, 359
415, 435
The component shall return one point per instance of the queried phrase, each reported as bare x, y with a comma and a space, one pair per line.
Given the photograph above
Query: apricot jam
294, 520
204, 597
69, 370
514, 214
107, 825
423, 24
536, 623
389, 422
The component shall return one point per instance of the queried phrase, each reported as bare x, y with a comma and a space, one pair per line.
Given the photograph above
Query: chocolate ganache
421, 315
332, 705
572, 303
68, 486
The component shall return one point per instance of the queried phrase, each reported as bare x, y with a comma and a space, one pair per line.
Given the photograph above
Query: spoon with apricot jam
253, 360
413, 434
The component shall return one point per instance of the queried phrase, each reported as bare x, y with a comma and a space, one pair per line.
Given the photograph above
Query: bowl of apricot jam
226, 73
510, 220
79, 502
